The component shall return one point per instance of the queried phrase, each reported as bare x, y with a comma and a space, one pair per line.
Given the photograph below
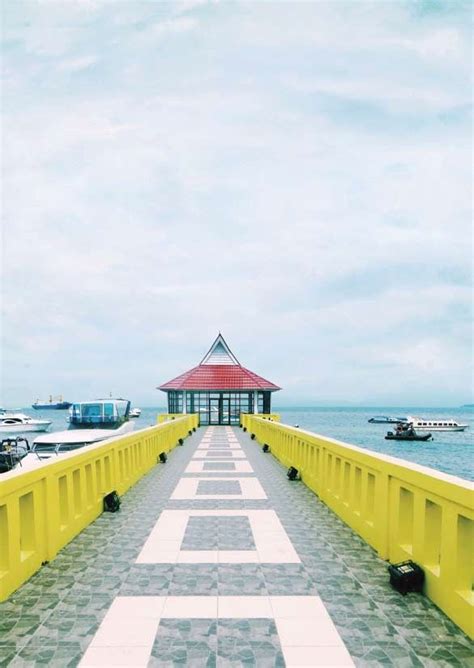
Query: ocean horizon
449, 452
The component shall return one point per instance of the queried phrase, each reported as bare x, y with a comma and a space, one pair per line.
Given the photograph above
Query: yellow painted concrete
42, 509
166, 417
403, 510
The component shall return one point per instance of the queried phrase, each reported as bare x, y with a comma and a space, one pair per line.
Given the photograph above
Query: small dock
216, 559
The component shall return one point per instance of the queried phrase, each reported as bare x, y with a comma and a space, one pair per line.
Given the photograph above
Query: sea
450, 452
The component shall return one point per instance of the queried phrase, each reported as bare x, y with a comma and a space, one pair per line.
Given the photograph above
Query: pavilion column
184, 402
255, 402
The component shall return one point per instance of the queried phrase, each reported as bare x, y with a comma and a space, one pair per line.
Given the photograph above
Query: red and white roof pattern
219, 370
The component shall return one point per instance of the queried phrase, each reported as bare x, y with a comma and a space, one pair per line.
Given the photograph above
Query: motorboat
436, 424
386, 419
55, 404
17, 423
407, 435
89, 422
12, 451
135, 412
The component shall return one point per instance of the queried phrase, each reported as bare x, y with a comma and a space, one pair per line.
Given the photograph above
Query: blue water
451, 452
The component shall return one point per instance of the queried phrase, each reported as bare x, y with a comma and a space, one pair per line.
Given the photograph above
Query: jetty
218, 557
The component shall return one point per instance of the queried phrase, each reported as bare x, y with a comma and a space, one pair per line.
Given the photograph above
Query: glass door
213, 411
225, 417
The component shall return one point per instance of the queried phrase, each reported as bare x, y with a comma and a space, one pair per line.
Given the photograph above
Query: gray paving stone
219, 487
218, 466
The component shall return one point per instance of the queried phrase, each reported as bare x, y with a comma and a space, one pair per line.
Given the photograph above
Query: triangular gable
220, 353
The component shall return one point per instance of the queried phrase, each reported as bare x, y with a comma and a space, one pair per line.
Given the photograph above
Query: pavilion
219, 388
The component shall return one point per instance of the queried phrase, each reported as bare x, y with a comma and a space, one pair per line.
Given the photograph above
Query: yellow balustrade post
52, 525
382, 512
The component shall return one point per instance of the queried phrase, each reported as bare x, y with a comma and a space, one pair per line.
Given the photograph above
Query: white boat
436, 424
89, 422
135, 412
17, 423
386, 419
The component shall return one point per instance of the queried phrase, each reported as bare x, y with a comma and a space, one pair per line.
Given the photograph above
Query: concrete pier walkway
216, 559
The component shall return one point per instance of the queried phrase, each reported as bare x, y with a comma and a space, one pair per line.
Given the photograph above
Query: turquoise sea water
451, 452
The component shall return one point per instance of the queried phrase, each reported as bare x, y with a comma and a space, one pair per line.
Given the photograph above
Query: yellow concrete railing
272, 417
44, 508
166, 417
403, 510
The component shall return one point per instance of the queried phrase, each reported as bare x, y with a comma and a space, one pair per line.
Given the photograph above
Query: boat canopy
100, 411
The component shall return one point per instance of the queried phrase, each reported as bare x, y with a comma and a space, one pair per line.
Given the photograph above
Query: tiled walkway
216, 559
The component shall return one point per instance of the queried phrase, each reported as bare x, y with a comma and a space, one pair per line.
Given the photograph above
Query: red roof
219, 377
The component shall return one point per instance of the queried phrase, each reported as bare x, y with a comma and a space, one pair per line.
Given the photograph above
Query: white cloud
184, 189
78, 64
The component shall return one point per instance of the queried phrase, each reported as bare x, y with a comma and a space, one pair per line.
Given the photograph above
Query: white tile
238, 557
271, 540
297, 606
278, 557
310, 632
317, 657
243, 607
137, 607
126, 631
251, 488
198, 557
190, 607
109, 657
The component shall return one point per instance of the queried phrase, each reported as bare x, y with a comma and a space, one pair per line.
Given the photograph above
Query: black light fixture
180, 441
194, 428
162, 457
190, 432
245, 428
266, 447
111, 502
240, 425
292, 473
406, 577
252, 436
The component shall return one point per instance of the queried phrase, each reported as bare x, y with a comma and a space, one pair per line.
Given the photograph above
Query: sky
295, 175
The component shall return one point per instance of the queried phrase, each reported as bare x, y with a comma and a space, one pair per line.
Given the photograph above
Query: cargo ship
53, 403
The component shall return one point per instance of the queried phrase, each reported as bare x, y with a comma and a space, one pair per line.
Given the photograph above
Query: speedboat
387, 419
406, 435
17, 423
436, 424
135, 412
89, 422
